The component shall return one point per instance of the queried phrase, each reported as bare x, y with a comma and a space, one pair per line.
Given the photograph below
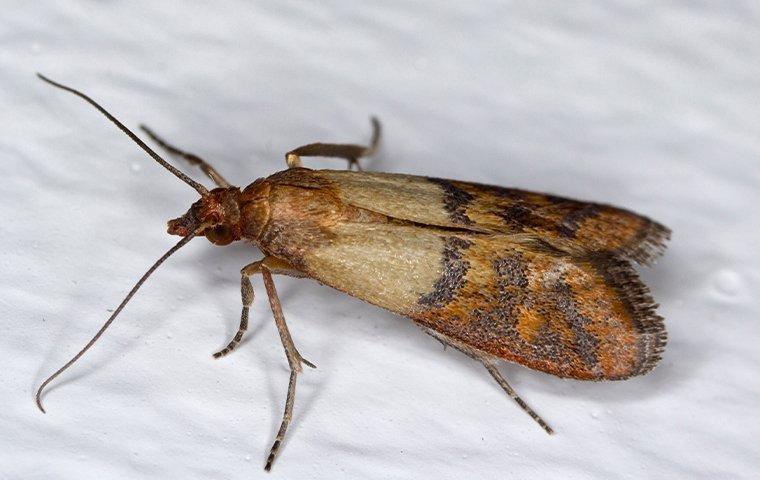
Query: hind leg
490, 365
350, 152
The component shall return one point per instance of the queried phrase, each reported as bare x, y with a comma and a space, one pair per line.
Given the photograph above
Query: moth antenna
113, 316
197, 186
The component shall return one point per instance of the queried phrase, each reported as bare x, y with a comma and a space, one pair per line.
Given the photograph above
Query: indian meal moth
498, 273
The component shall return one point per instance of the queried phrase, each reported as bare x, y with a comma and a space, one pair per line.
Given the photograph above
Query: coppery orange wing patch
529, 303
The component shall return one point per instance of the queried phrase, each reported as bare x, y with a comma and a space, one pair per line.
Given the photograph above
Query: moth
497, 273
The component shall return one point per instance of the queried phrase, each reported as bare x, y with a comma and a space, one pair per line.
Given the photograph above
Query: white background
649, 105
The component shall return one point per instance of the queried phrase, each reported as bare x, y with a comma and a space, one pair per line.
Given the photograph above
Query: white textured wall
649, 105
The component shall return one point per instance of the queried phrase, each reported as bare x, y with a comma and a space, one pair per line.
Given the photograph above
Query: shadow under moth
498, 273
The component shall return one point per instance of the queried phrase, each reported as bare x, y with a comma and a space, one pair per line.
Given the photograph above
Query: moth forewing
585, 226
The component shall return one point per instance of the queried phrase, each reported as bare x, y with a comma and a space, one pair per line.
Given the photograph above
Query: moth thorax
254, 209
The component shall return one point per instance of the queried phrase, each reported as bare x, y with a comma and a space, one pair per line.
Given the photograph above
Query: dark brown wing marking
587, 346
573, 221
454, 269
455, 201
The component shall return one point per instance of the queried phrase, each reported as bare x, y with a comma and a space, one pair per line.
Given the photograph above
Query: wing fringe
653, 336
650, 244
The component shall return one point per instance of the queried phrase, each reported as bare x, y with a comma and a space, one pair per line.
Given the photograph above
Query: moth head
218, 215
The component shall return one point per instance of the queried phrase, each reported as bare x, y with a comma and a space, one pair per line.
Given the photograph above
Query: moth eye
219, 235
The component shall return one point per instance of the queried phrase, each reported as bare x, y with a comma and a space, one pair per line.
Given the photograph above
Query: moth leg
190, 158
274, 265
491, 367
246, 292
294, 360
350, 152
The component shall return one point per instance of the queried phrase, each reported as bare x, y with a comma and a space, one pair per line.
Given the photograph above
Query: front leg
190, 158
274, 265
350, 152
